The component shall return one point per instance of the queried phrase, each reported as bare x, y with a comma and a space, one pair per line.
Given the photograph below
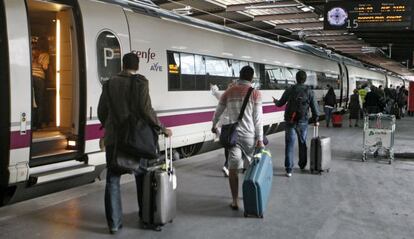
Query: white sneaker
288, 175
225, 171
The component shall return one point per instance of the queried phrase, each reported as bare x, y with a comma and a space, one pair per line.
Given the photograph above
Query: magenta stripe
185, 119
18, 140
272, 108
94, 131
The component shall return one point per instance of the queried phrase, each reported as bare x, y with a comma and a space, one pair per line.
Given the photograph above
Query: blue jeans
328, 115
113, 202
300, 130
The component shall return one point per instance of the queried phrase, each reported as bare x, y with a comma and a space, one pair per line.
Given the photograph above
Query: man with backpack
298, 99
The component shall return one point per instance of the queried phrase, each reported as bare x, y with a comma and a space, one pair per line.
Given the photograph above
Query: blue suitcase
257, 184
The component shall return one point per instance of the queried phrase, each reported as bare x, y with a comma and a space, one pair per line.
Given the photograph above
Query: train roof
147, 7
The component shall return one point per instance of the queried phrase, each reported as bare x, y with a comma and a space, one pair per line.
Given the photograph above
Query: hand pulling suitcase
320, 153
257, 184
159, 193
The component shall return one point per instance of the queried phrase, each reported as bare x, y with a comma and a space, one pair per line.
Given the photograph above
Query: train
181, 56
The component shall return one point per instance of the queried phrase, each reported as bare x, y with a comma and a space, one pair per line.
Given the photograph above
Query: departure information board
369, 15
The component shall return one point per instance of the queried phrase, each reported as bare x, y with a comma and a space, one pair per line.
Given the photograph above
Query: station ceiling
287, 20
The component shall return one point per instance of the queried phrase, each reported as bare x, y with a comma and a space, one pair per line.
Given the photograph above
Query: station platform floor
354, 200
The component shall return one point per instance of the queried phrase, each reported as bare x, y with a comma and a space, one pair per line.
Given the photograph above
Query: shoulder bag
135, 139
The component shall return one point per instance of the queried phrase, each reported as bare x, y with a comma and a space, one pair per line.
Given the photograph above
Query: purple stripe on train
95, 132
18, 140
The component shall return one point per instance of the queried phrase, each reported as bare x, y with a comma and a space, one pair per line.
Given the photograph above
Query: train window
200, 65
311, 79
173, 71
108, 55
218, 67
187, 64
325, 79
274, 79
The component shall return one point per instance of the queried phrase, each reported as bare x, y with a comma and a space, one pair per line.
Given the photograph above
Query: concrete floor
355, 200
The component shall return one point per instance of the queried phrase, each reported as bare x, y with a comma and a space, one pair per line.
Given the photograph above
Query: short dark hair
301, 77
246, 73
130, 61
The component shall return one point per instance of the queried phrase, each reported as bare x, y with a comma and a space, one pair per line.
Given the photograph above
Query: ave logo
156, 67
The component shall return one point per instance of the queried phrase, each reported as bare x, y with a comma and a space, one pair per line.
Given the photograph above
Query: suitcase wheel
261, 216
245, 215
171, 221
328, 170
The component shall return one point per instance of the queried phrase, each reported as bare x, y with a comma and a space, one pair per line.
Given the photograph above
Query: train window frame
98, 60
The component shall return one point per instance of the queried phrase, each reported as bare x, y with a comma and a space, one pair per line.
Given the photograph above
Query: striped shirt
39, 65
251, 125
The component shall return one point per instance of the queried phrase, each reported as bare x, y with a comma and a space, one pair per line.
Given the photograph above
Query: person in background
215, 92
372, 102
329, 104
118, 87
402, 97
40, 64
354, 108
250, 129
298, 99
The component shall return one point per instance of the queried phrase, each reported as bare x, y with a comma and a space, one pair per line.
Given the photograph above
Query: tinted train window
108, 55
196, 72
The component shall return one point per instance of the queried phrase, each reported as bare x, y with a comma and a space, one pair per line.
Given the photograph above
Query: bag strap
246, 99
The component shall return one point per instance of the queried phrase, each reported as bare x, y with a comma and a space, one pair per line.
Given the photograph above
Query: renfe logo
148, 55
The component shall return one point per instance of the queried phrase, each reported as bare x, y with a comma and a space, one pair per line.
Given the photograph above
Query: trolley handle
315, 131
168, 153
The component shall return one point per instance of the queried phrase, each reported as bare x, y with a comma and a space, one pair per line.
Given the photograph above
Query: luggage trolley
378, 136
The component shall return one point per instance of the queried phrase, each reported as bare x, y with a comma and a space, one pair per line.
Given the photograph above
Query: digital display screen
369, 15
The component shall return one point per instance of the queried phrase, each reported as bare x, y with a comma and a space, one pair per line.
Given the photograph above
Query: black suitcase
320, 152
159, 193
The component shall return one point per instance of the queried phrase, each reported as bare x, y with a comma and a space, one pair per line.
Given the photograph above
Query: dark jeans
39, 86
113, 202
328, 115
292, 130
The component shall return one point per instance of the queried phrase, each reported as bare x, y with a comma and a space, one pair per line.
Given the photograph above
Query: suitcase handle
168, 153
315, 131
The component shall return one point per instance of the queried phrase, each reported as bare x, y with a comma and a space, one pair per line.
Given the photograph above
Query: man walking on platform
249, 129
298, 99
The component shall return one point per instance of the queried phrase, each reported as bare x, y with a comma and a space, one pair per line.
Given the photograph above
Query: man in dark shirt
372, 101
298, 99
124, 88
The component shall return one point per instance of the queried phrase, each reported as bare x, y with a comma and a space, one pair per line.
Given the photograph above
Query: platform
355, 200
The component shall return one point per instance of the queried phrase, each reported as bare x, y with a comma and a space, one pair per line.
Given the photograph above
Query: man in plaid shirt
250, 128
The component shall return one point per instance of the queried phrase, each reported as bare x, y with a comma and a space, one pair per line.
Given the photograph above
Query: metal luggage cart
378, 136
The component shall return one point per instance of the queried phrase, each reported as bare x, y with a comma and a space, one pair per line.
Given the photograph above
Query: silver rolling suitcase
159, 193
320, 152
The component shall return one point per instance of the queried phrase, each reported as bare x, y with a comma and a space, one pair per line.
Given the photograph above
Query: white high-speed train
180, 56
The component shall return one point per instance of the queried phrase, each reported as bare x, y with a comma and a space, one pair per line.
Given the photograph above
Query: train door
4, 101
56, 80
345, 94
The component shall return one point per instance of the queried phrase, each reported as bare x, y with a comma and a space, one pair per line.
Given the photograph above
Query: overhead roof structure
302, 20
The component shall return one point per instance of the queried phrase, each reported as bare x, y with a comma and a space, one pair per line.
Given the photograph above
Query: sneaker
288, 175
225, 171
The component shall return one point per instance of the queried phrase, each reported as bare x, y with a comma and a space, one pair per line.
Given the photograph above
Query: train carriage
180, 56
